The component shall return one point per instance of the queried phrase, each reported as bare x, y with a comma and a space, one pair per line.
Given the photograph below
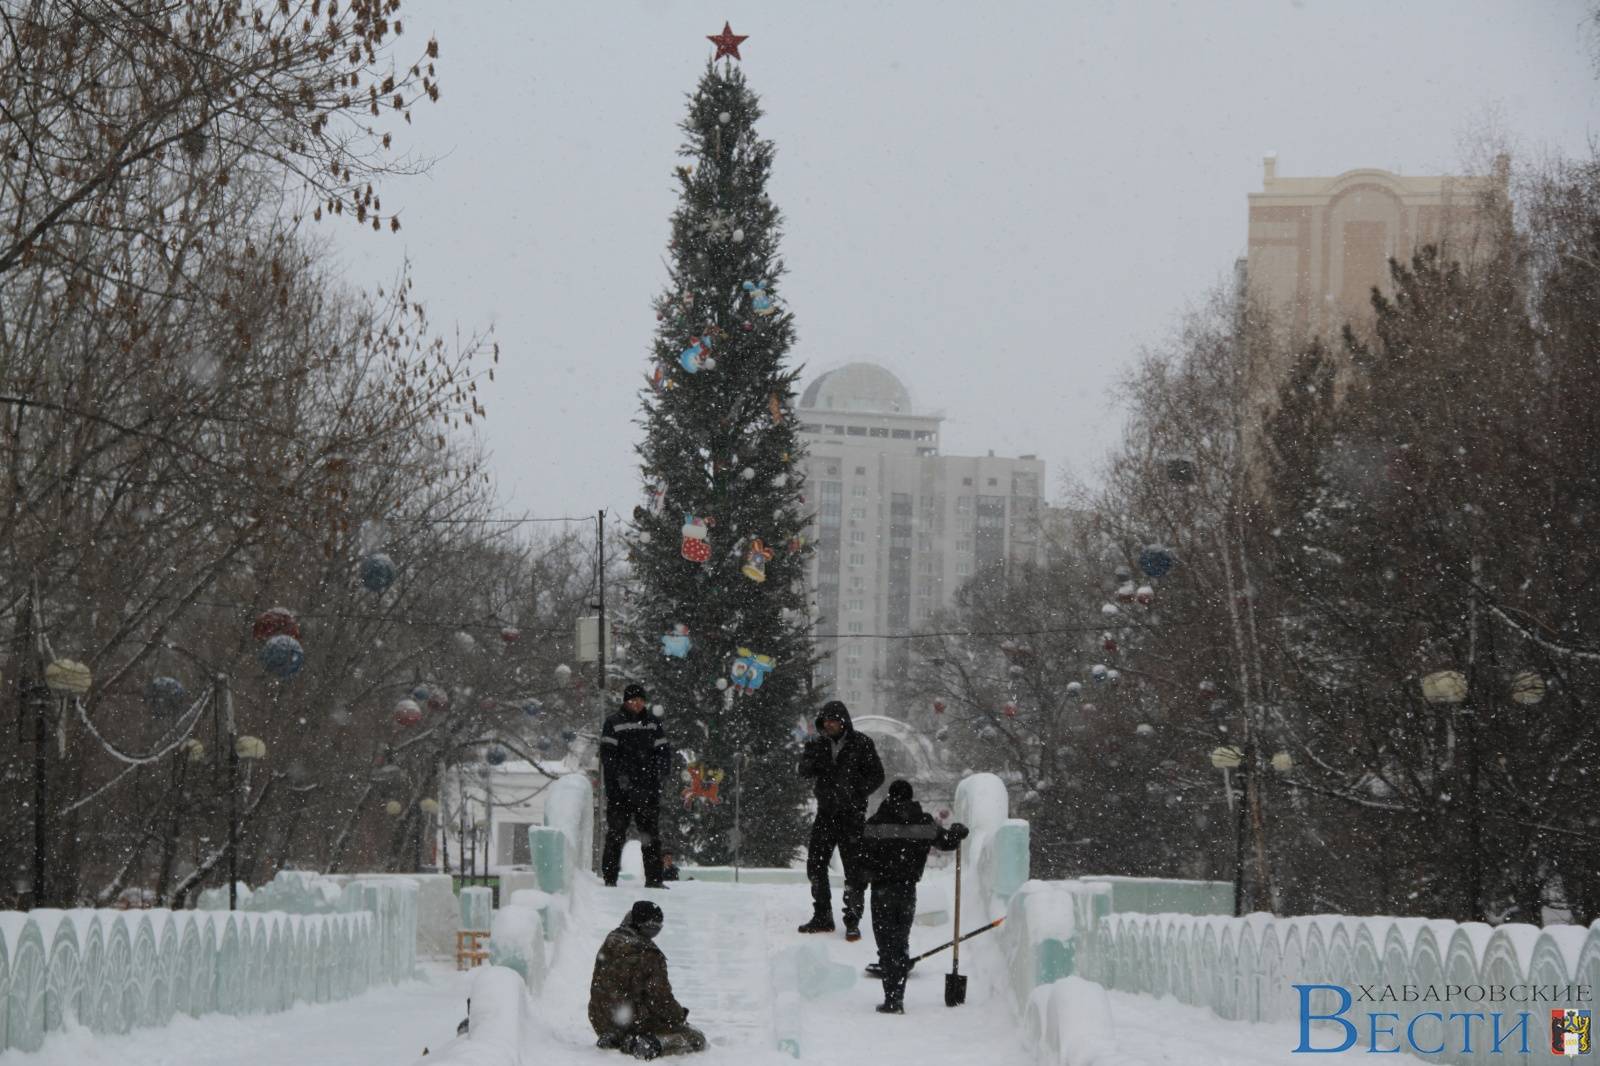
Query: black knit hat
836, 710
644, 912
634, 690
900, 791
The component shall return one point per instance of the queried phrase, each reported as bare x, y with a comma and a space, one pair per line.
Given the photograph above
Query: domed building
899, 525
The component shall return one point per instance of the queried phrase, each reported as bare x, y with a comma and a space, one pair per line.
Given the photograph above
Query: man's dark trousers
643, 808
894, 907
841, 829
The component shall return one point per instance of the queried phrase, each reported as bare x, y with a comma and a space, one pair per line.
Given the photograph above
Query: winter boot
891, 1006
610, 1042
852, 931
821, 922
642, 1046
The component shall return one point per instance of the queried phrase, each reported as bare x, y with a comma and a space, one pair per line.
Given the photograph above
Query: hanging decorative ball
942, 733
1075, 689
466, 643
569, 735
1155, 560
1282, 762
393, 808
543, 744
407, 713
1145, 595
738, 236
1227, 758
1113, 676
275, 621
166, 694
1089, 708
658, 711
532, 708
438, 700
1109, 643
68, 677
193, 750
1098, 673
747, 474
1527, 688
428, 805
725, 117
1124, 574
377, 572
722, 684
495, 756
1108, 609
563, 674
1125, 592
282, 656
938, 706
1444, 686
1010, 709
1208, 689
250, 748
1144, 729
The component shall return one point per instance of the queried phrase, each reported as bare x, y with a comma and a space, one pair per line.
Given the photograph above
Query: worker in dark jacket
635, 759
631, 1005
894, 850
844, 767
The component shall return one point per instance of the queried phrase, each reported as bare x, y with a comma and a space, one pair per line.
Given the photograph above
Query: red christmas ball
1010, 710
275, 621
938, 706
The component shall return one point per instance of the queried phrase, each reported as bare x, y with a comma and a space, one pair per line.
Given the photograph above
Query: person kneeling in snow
894, 850
631, 1004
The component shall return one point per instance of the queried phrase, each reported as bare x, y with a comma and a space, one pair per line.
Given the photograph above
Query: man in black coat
845, 769
635, 758
894, 850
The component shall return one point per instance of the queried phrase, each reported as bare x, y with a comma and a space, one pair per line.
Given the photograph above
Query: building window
858, 583
853, 627
858, 558
855, 605
925, 566
858, 491
836, 430
993, 482
964, 524
964, 503
810, 427
856, 431
861, 471
963, 567
924, 543
853, 672
923, 453
925, 586
833, 469
901, 434
966, 481
924, 434
963, 545
853, 653
858, 514
879, 431
858, 536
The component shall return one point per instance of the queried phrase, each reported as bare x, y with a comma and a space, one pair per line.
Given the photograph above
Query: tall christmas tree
718, 548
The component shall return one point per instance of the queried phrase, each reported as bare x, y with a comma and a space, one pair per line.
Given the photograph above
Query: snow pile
1068, 1023
569, 807
516, 941
1044, 932
499, 1024
995, 855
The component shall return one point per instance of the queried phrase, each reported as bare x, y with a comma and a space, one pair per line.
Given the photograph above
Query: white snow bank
499, 1024
1069, 1023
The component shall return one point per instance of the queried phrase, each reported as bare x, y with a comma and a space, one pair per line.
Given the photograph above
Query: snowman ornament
760, 302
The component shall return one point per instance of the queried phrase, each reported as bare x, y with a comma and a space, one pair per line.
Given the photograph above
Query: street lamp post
1229, 759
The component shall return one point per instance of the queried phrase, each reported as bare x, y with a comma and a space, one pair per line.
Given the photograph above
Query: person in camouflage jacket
631, 1005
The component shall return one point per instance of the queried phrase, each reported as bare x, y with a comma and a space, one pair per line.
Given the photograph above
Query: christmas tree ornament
495, 756
797, 544
748, 326
1144, 729
697, 356
393, 808
1527, 688
68, 677
737, 236
250, 748
727, 42
1099, 674
696, 538
569, 735
193, 750
1075, 689
1207, 689
1125, 592
466, 643
676, 643
1226, 757
563, 674
750, 670
1009, 709
655, 498
659, 381
273, 622
282, 656
166, 695
1282, 762
938, 706
510, 634
1145, 595
722, 684
438, 700
942, 733
532, 708
407, 713
756, 558
760, 302
421, 693
1109, 643
724, 118
377, 572
428, 805
1155, 560
1113, 676
747, 474
704, 784
1108, 609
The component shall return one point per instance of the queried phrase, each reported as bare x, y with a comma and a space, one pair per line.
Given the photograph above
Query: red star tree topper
727, 42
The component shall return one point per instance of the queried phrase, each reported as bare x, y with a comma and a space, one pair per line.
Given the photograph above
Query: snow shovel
874, 970
955, 985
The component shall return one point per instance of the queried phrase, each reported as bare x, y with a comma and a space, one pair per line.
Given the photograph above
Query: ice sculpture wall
114, 970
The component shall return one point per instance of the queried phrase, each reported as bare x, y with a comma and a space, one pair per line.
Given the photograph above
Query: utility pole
33, 698
224, 699
600, 659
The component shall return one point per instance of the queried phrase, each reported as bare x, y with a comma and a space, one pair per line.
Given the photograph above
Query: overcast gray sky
999, 202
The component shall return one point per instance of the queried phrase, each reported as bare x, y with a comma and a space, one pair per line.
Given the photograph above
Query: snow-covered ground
718, 938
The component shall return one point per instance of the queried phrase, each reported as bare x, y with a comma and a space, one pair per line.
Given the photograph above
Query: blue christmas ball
532, 708
495, 756
421, 693
1155, 560
569, 735
283, 656
543, 743
166, 694
377, 572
